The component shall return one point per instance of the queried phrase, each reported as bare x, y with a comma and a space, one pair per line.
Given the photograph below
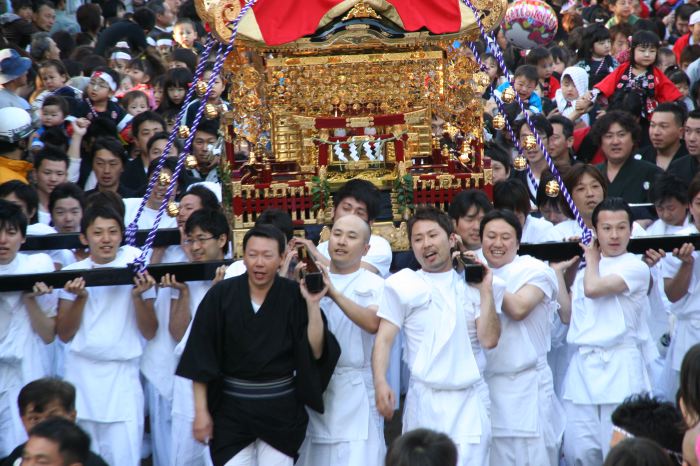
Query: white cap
694, 18
15, 124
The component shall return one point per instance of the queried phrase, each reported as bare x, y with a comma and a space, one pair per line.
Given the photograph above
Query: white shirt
535, 230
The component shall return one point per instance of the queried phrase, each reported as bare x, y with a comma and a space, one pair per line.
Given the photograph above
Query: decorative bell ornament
210, 111
164, 179
508, 95
499, 122
172, 209
552, 189
190, 162
530, 142
465, 156
183, 132
520, 163
201, 88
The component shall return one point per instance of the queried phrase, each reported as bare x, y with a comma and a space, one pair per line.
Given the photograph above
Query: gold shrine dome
281, 24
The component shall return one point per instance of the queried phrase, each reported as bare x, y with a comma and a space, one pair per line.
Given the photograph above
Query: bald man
350, 432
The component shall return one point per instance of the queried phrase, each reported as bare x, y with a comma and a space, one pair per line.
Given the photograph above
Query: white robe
438, 314
686, 332
527, 419
610, 364
185, 450
535, 230
23, 354
102, 359
350, 432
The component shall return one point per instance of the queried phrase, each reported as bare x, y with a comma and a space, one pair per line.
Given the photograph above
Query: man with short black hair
687, 167
143, 127
447, 325
258, 352
644, 416
535, 157
43, 399
666, 135
44, 15
51, 167
561, 142
205, 138
56, 442
466, 211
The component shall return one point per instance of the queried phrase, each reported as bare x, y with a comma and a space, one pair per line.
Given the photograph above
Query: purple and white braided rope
587, 235
139, 263
132, 228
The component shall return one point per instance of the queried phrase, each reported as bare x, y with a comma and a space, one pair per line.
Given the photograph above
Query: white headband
121, 56
106, 78
164, 42
122, 45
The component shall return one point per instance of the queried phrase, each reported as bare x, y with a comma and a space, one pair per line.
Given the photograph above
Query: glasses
190, 242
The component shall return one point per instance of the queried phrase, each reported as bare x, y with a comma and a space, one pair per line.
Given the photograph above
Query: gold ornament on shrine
190, 162
201, 88
499, 122
183, 132
520, 163
210, 111
172, 209
466, 154
530, 142
508, 95
552, 189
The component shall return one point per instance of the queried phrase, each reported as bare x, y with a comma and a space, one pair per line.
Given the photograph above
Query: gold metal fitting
172, 209
201, 88
210, 111
164, 179
499, 122
520, 163
183, 132
190, 162
552, 188
530, 142
508, 95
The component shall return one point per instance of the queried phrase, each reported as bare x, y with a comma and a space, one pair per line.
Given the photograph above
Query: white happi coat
350, 414
23, 354
612, 337
438, 314
523, 404
102, 359
186, 451
687, 312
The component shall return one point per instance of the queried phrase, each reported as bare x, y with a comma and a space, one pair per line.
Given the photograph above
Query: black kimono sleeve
313, 375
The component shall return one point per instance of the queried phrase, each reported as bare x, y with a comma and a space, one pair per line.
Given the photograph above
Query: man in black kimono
258, 352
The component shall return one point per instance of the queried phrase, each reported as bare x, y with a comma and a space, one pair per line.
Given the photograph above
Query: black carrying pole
183, 271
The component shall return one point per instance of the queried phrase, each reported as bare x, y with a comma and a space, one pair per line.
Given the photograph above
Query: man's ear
83, 239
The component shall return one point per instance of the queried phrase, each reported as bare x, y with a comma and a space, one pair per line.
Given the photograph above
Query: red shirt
682, 42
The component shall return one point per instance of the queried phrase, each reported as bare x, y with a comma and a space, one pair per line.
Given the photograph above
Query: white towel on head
579, 76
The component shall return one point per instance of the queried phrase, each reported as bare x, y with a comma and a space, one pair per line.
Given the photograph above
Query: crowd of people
589, 361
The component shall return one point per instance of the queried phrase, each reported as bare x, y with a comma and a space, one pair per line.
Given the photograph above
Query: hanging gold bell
172, 209
499, 122
508, 95
530, 142
552, 189
520, 163
201, 88
190, 162
183, 132
164, 179
210, 111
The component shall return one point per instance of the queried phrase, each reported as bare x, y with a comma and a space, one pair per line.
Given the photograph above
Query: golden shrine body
359, 98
